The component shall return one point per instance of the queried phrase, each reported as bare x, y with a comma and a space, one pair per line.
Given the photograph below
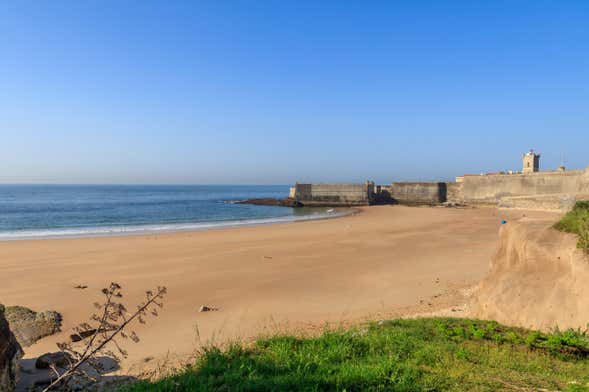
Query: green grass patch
577, 221
436, 354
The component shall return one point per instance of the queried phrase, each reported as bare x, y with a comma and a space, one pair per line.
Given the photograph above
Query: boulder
58, 359
10, 353
79, 336
29, 326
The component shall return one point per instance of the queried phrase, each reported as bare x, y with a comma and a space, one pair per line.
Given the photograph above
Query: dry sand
385, 261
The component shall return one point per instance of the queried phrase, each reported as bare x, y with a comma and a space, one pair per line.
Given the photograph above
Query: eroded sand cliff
538, 279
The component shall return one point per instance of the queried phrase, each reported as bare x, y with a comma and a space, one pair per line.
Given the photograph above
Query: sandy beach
382, 262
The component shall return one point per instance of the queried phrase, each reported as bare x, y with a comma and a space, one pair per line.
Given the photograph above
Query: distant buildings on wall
538, 189
530, 164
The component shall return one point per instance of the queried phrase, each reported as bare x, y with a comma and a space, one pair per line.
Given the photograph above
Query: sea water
49, 211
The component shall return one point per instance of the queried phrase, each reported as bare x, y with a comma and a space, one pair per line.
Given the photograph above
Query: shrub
576, 221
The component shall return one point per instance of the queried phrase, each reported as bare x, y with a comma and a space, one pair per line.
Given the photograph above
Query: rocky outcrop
29, 326
10, 353
271, 202
58, 359
538, 279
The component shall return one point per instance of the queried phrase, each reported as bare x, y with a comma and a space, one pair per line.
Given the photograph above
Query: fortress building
531, 162
529, 189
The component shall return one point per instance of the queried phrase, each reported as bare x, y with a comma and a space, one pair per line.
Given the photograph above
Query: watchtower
531, 162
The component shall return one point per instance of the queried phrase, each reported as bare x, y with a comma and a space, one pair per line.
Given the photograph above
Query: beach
384, 261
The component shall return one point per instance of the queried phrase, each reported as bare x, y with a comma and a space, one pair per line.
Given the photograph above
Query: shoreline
385, 260
171, 228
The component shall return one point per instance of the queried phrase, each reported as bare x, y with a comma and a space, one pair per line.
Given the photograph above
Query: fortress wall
418, 192
539, 190
584, 182
332, 194
559, 202
490, 189
454, 192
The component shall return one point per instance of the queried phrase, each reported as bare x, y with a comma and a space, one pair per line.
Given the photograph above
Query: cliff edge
538, 279
10, 353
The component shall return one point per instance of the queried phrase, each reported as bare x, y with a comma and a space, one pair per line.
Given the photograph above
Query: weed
401, 355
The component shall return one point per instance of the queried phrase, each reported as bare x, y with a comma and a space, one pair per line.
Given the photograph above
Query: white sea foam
155, 228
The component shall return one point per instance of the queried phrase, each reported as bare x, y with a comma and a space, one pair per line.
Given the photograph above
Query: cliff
538, 279
10, 353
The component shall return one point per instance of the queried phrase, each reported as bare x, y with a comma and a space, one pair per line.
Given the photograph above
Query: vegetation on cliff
401, 355
577, 221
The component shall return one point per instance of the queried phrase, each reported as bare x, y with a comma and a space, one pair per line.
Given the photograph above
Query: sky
274, 92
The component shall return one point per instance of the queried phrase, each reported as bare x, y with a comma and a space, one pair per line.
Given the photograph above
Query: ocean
53, 211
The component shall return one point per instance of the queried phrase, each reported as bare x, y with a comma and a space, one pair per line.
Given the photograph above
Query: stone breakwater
271, 202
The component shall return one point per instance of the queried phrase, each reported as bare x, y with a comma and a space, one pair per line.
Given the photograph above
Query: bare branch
111, 323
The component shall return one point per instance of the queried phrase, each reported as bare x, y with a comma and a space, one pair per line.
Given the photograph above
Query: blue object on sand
503, 222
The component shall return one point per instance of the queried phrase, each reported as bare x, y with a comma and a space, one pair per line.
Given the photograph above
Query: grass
435, 354
577, 221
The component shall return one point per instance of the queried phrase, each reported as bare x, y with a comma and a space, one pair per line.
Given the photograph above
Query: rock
82, 335
205, 308
59, 359
10, 353
95, 376
29, 326
272, 202
79, 336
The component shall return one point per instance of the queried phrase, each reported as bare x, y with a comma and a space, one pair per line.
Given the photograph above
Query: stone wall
584, 182
492, 188
334, 194
418, 192
552, 190
541, 190
559, 202
454, 192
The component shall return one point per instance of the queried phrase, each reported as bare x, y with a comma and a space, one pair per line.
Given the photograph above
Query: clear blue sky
279, 91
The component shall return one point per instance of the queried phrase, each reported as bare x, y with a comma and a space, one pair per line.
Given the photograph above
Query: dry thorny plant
98, 338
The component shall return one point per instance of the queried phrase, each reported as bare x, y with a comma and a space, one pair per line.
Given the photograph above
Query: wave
100, 231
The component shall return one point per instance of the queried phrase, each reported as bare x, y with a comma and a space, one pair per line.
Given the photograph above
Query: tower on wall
531, 162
